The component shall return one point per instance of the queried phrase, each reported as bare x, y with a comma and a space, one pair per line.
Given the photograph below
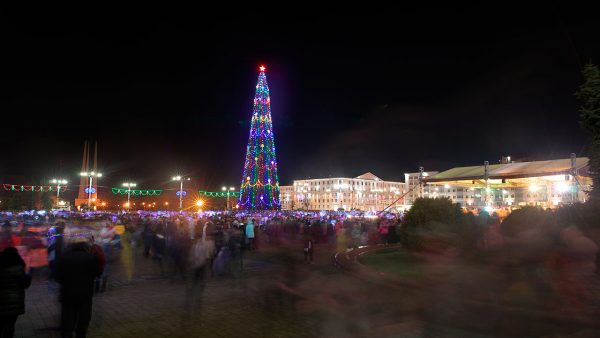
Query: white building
549, 183
411, 181
286, 197
366, 192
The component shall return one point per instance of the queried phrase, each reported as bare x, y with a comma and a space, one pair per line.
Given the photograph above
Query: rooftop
512, 170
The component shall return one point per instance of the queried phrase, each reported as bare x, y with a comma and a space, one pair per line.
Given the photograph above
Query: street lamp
228, 194
91, 175
58, 182
128, 185
180, 179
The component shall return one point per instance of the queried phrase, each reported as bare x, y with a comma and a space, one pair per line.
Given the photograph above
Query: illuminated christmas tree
260, 183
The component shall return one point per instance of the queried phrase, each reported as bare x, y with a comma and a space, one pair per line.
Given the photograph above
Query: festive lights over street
260, 182
260, 188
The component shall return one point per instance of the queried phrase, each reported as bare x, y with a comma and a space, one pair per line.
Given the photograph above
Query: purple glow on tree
260, 183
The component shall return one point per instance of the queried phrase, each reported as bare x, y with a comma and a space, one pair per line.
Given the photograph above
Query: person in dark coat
55, 247
148, 237
6, 240
95, 249
309, 248
236, 247
13, 282
76, 271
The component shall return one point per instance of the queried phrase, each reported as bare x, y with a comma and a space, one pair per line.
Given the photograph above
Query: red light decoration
262, 68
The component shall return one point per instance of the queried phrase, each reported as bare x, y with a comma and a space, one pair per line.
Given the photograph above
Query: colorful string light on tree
260, 183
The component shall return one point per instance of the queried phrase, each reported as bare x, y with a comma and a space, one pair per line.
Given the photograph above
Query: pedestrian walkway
156, 306
280, 295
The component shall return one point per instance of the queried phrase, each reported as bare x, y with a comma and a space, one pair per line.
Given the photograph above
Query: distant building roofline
511, 170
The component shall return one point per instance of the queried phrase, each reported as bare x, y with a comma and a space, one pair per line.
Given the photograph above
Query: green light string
219, 193
137, 192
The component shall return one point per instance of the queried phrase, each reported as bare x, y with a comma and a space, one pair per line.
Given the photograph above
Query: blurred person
100, 281
6, 238
308, 249
355, 234
55, 246
76, 271
342, 240
13, 282
199, 259
178, 250
574, 273
383, 232
159, 246
220, 237
147, 237
209, 242
250, 234
236, 247
330, 232
258, 236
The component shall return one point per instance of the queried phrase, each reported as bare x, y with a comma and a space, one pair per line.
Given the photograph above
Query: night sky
382, 90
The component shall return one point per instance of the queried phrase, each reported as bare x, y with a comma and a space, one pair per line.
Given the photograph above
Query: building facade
286, 197
547, 184
411, 182
366, 192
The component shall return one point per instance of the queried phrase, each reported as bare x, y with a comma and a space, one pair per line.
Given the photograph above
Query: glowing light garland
219, 193
260, 183
137, 192
34, 188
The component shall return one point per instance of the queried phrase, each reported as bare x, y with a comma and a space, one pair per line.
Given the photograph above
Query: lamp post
180, 179
128, 185
58, 182
228, 194
91, 175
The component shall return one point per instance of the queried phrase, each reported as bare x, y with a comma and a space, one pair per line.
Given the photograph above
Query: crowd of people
40, 240
77, 250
